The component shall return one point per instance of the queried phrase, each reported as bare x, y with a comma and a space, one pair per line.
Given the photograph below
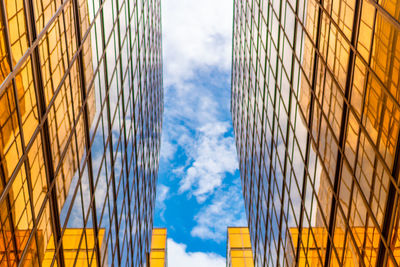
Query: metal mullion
125, 238
287, 129
351, 108
85, 219
111, 219
240, 115
52, 184
3, 235
233, 89
275, 75
34, 229
343, 134
255, 138
103, 159
45, 136
139, 43
27, 165
36, 132
106, 201
52, 106
329, 126
393, 198
7, 251
273, 143
325, 64
359, 134
385, 14
79, 43
108, 186
243, 120
358, 186
109, 129
318, 143
262, 142
309, 134
10, 219
32, 47
76, 147
130, 94
357, 54
248, 63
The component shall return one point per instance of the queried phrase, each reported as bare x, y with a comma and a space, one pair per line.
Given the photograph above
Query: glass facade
238, 248
316, 112
158, 252
81, 104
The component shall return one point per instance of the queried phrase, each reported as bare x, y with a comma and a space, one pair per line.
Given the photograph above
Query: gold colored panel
158, 253
17, 28
239, 247
369, 239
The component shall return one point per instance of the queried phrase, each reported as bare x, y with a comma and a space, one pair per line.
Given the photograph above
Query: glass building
158, 251
81, 104
316, 112
238, 248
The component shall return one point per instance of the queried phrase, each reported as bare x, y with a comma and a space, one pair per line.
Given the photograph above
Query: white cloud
162, 195
196, 34
197, 60
213, 156
197, 40
226, 209
179, 257
168, 149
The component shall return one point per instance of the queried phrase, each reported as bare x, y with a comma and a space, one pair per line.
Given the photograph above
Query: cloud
168, 149
226, 209
196, 34
162, 195
179, 257
197, 60
213, 156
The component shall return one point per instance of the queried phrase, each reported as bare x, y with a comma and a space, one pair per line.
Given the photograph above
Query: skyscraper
81, 105
315, 106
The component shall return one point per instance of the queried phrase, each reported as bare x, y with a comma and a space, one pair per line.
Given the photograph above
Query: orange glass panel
311, 257
239, 247
158, 248
78, 244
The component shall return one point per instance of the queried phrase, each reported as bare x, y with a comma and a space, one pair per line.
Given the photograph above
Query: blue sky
198, 192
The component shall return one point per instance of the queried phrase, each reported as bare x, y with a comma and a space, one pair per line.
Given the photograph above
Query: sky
198, 192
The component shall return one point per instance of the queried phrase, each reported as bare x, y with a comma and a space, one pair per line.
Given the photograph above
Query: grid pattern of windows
81, 104
316, 113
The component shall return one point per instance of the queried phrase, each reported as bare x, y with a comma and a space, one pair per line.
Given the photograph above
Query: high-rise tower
316, 113
81, 105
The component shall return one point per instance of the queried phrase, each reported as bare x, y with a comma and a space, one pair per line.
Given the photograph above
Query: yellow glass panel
10, 144
235, 241
27, 100
17, 29
238, 262
158, 247
371, 236
157, 254
158, 242
157, 262
239, 246
4, 64
83, 252
234, 230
